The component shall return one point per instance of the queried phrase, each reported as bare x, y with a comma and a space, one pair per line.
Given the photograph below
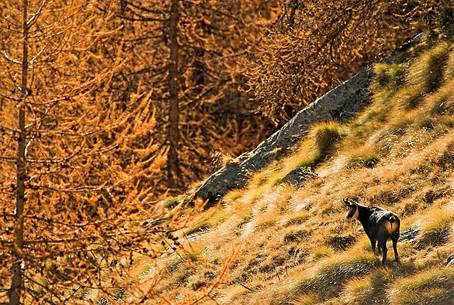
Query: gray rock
409, 235
450, 260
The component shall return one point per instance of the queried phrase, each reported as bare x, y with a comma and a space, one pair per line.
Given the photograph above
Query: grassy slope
281, 244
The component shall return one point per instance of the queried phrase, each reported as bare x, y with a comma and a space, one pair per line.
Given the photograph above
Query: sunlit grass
436, 227
297, 218
366, 290
317, 146
427, 70
433, 287
172, 202
364, 156
234, 195
207, 220
409, 97
328, 279
449, 67
326, 135
307, 299
442, 102
390, 76
321, 251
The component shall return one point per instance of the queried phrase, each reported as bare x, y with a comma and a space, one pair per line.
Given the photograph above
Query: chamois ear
346, 202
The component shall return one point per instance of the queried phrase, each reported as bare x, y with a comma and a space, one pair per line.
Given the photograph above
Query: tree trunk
16, 289
173, 133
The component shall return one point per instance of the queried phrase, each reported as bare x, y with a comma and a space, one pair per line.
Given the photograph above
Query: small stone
450, 260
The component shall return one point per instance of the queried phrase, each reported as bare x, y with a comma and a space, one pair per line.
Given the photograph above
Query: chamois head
352, 206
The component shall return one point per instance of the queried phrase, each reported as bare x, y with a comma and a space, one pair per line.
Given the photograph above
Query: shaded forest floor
289, 243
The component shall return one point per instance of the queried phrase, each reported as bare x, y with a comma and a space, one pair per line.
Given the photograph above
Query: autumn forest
109, 107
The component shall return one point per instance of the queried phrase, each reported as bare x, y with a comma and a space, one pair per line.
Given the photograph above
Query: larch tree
224, 74
188, 51
73, 153
315, 45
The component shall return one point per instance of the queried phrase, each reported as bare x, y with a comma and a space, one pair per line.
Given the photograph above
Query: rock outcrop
341, 103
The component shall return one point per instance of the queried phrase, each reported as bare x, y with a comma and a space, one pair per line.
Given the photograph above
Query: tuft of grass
307, 299
172, 202
372, 118
447, 120
442, 102
427, 70
234, 195
434, 287
400, 123
322, 251
409, 97
207, 220
173, 264
427, 123
364, 156
199, 227
449, 67
265, 176
194, 255
314, 149
297, 218
330, 277
366, 290
326, 135
376, 112
320, 143
436, 228
390, 76
339, 242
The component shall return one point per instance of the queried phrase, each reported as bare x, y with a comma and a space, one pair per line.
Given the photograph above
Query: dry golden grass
363, 156
433, 287
329, 276
427, 69
442, 102
367, 290
321, 252
449, 67
436, 227
409, 97
390, 76
307, 299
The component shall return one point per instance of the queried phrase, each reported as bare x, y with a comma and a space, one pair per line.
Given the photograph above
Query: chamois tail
391, 224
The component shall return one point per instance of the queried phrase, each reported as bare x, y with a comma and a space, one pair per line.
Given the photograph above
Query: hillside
290, 244
287, 241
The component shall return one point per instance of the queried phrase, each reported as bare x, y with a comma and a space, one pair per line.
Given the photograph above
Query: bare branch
51, 291
10, 59
36, 15
8, 159
144, 19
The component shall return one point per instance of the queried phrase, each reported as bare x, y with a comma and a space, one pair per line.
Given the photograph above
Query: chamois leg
373, 242
382, 245
395, 238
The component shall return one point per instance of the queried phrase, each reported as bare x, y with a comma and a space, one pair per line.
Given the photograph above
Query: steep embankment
285, 241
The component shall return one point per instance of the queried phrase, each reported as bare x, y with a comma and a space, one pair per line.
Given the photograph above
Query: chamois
379, 225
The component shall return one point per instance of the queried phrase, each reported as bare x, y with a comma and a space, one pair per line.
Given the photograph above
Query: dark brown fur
379, 225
